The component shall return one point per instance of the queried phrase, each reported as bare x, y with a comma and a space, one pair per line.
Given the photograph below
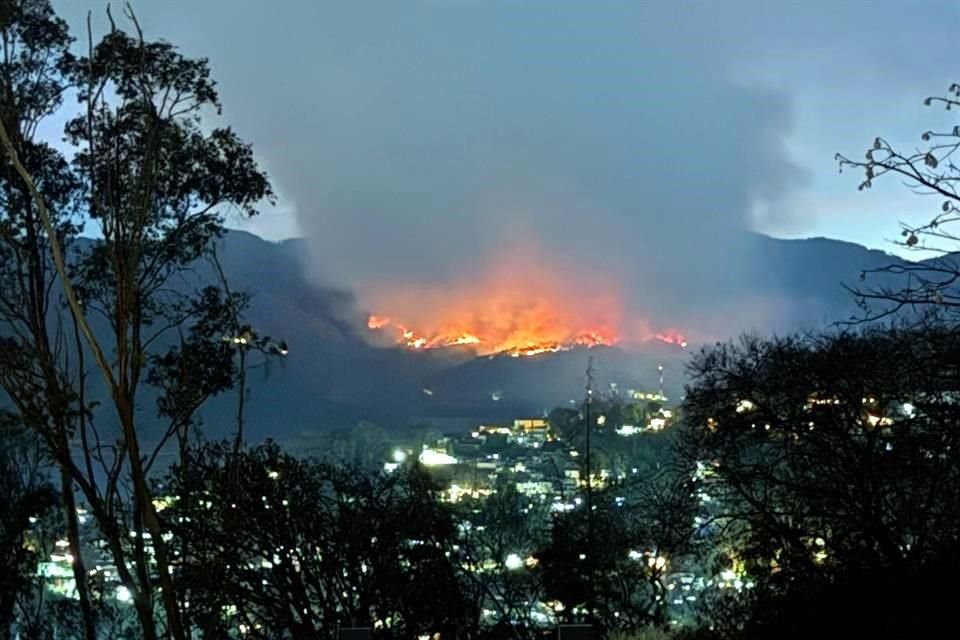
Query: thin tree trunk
144, 610
6, 619
145, 506
142, 600
79, 567
123, 404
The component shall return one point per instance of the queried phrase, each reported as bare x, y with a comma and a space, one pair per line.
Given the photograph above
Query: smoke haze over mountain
412, 142
615, 142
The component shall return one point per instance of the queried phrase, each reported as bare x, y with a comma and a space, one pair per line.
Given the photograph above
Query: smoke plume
426, 145
612, 145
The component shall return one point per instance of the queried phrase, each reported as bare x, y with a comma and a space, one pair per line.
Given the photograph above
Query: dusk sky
406, 135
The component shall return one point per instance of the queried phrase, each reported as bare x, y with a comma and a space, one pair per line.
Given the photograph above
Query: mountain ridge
344, 379
334, 377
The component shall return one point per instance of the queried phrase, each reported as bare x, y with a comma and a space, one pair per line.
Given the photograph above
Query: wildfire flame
671, 336
521, 307
412, 340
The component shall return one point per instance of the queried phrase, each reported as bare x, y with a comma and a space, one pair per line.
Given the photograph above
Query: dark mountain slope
333, 377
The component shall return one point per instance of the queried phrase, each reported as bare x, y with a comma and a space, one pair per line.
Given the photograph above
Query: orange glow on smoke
377, 322
523, 306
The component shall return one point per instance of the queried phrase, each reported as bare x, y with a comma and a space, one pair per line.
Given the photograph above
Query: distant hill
809, 275
333, 378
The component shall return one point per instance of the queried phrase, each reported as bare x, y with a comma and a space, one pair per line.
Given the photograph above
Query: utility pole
590, 546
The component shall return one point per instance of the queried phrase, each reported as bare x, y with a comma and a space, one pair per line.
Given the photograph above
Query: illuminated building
530, 424
436, 458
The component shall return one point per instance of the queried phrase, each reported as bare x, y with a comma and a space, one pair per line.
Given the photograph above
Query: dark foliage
291, 548
833, 458
158, 186
26, 495
640, 532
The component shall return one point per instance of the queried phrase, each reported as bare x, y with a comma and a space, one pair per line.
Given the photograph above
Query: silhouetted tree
290, 548
33, 357
498, 537
564, 422
642, 528
931, 170
832, 461
25, 496
157, 185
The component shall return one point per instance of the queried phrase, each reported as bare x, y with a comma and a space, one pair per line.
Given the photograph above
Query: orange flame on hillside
523, 306
515, 345
671, 336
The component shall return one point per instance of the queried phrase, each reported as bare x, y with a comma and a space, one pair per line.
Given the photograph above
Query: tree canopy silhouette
830, 458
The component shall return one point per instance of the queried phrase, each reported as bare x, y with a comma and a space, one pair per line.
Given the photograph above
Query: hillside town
541, 462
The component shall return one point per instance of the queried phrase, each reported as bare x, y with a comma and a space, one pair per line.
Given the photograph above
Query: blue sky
451, 124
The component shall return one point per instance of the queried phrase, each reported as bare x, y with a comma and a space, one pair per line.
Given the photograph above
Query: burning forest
520, 307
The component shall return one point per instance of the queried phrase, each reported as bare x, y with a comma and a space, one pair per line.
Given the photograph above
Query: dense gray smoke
419, 144
610, 140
